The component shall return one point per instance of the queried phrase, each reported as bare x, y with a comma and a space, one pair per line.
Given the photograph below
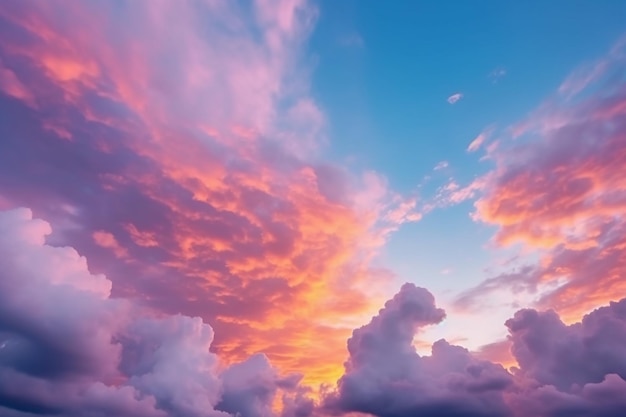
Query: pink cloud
480, 140
455, 98
558, 189
189, 158
69, 348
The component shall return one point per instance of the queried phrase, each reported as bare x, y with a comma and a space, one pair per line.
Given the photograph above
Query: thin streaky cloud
480, 140
441, 165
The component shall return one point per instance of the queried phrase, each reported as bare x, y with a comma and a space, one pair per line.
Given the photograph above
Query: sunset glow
305, 208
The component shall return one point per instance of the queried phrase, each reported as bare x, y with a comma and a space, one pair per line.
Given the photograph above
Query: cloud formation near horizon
69, 349
563, 370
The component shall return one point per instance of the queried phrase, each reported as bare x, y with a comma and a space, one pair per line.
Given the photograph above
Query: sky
312, 208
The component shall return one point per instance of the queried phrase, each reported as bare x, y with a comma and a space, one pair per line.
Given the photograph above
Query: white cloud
441, 165
454, 98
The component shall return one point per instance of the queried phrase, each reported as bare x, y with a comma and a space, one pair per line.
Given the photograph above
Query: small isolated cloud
454, 98
480, 140
441, 165
476, 143
497, 74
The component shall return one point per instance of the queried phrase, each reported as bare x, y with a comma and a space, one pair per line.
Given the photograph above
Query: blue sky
383, 75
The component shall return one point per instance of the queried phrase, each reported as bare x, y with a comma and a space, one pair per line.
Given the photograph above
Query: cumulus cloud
67, 348
386, 377
578, 369
454, 98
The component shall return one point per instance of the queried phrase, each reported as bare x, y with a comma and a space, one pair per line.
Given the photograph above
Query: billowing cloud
386, 377
455, 98
184, 164
578, 369
67, 348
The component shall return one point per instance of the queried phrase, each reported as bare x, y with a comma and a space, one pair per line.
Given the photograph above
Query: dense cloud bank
68, 349
576, 370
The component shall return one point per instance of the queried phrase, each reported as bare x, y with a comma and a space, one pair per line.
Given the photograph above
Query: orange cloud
183, 162
560, 188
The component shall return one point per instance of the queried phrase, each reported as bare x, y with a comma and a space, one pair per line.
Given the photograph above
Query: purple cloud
67, 348
386, 377
578, 369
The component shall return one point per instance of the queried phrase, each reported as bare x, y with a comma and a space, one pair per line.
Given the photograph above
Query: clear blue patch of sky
385, 69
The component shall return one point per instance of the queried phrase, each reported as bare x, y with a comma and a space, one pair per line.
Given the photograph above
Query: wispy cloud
454, 98
441, 165
480, 140
497, 74
558, 189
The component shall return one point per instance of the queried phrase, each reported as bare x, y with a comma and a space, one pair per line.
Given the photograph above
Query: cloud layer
67, 348
558, 192
183, 163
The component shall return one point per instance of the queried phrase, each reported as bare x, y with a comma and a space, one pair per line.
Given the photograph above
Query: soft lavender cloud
454, 98
386, 377
70, 349
563, 370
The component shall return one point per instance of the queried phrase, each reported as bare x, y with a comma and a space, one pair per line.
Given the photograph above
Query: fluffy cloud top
69, 349
563, 370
